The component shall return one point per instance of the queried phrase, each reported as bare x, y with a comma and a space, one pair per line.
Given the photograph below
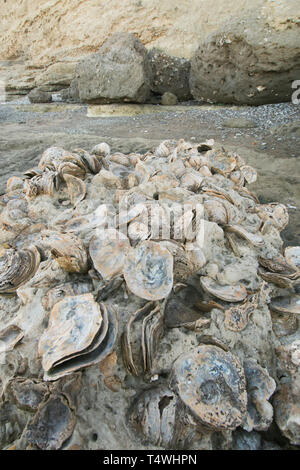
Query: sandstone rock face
39, 96
170, 74
246, 63
37, 33
118, 72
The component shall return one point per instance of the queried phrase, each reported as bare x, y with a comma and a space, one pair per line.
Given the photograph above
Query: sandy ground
271, 146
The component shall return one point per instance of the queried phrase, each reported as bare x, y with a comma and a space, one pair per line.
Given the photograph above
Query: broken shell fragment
292, 256
148, 271
236, 293
108, 250
211, 383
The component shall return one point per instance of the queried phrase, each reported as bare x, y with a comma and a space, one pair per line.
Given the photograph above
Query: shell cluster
165, 261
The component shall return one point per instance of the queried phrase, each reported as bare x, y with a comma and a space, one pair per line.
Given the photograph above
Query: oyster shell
108, 250
149, 323
9, 337
52, 425
67, 249
260, 387
17, 267
76, 188
148, 271
211, 383
236, 293
237, 317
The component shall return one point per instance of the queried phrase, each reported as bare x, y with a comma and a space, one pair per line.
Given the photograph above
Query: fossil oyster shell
9, 337
57, 293
292, 256
237, 317
273, 214
148, 325
286, 304
67, 249
260, 387
108, 250
148, 271
26, 393
253, 238
286, 410
154, 416
102, 149
90, 330
52, 425
73, 324
17, 267
76, 188
236, 293
13, 183
51, 158
211, 383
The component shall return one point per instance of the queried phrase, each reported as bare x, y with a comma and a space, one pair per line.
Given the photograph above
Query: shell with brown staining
17, 267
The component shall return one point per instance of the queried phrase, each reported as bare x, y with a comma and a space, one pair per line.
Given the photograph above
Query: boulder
247, 62
39, 96
57, 76
170, 74
118, 72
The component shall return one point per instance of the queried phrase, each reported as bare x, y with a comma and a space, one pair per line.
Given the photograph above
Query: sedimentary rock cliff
41, 40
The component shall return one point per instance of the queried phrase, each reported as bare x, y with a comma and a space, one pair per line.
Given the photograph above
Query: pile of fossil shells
166, 265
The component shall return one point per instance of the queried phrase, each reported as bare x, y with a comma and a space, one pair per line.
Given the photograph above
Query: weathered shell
292, 256
277, 265
52, 425
191, 180
41, 184
91, 162
67, 249
260, 387
70, 168
211, 383
57, 293
286, 404
249, 173
108, 250
286, 304
284, 324
17, 267
222, 163
254, 238
235, 293
13, 183
76, 188
148, 271
52, 157
278, 279
274, 214
149, 323
162, 150
153, 415
102, 345
216, 211
102, 149
26, 393
73, 325
9, 337
237, 317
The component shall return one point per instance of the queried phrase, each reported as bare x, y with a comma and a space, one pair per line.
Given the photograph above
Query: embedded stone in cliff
118, 72
170, 74
246, 64
39, 96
